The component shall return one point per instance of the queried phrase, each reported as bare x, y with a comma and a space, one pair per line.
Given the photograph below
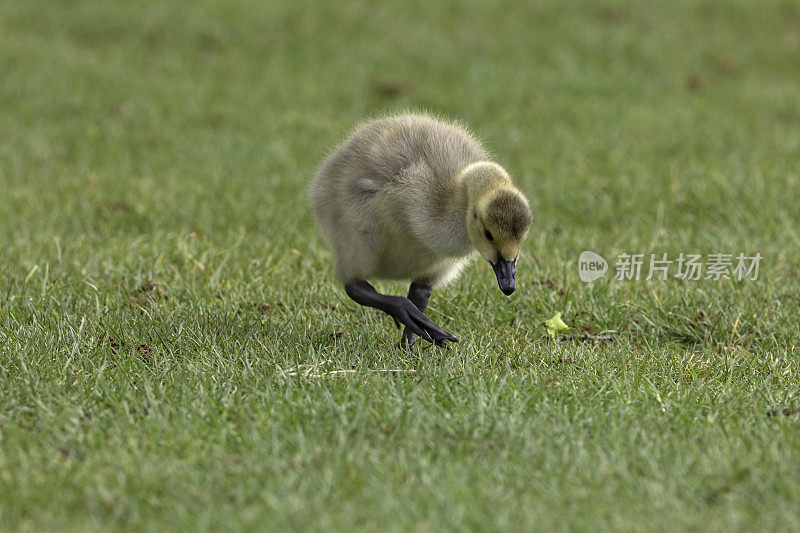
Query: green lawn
170, 327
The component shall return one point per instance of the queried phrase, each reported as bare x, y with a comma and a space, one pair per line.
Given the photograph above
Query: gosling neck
475, 185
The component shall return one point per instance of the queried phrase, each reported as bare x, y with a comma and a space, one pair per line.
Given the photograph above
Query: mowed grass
174, 350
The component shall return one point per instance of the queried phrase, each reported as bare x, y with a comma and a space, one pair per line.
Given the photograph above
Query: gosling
410, 197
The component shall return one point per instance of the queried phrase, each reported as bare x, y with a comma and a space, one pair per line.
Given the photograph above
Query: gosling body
388, 200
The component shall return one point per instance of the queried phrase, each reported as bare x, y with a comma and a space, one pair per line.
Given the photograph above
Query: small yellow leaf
554, 325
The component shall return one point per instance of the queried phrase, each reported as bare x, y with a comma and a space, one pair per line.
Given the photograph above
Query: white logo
591, 266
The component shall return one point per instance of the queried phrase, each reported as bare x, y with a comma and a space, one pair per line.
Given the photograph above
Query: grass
160, 274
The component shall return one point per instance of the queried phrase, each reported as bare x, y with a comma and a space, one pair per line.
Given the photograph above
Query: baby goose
411, 197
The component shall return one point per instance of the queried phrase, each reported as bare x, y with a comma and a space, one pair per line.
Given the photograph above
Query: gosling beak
506, 275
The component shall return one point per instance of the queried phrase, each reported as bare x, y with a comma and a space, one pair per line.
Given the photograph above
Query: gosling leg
419, 293
403, 310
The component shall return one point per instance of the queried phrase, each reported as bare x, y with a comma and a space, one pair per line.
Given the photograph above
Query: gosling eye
488, 234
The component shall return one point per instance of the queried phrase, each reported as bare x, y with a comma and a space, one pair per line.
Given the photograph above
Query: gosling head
498, 222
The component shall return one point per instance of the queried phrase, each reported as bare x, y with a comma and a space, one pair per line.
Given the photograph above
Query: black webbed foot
408, 340
419, 293
404, 310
